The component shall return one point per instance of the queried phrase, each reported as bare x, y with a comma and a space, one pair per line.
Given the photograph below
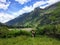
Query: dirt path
26, 29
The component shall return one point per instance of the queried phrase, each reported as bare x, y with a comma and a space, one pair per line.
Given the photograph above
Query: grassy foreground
25, 40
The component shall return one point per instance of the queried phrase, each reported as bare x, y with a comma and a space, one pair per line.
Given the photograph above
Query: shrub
47, 29
22, 32
18, 33
4, 32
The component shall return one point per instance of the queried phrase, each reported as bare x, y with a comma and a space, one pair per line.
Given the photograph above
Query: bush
58, 28
22, 32
47, 29
4, 32
15, 33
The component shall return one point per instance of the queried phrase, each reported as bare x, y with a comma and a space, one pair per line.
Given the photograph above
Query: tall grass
26, 40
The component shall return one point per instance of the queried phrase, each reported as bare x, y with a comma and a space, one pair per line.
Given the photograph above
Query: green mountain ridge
50, 15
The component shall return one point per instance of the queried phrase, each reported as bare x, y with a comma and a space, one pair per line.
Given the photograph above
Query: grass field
26, 40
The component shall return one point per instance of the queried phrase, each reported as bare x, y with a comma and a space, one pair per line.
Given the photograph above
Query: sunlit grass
25, 40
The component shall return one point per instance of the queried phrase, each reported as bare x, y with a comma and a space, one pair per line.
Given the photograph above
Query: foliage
3, 31
25, 40
14, 33
53, 30
23, 32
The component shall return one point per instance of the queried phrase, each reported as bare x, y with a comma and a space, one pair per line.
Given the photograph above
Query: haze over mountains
49, 15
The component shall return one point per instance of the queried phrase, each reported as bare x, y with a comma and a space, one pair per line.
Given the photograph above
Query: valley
44, 22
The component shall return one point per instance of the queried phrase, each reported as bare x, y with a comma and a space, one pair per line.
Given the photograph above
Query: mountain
49, 15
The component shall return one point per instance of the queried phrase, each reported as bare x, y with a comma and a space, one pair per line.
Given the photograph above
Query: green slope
50, 15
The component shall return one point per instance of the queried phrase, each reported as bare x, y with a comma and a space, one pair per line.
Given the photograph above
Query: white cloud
4, 17
2, 0
4, 5
53, 1
26, 9
22, 1
50, 2
20, 12
37, 4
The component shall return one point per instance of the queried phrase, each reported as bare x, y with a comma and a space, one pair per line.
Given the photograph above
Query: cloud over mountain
4, 17
42, 4
10, 9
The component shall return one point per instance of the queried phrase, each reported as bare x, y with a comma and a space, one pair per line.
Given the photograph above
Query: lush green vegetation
25, 40
46, 24
50, 30
3, 32
21, 37
6, 33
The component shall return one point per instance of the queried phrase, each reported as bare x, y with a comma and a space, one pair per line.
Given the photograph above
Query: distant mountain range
49, 15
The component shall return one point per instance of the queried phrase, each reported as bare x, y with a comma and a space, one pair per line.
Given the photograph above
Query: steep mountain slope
50, 15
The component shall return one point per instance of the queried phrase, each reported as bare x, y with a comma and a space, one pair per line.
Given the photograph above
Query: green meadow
26, 40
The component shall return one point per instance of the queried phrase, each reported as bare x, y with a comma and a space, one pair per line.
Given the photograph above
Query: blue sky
10, 9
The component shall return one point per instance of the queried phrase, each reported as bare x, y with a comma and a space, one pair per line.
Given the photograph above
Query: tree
3, 32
